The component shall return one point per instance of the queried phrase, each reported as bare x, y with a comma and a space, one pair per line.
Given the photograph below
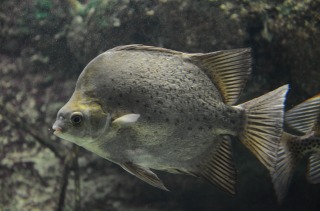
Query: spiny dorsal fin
219, 169
263, 127
229, 70
313, 172
303, 117
144, 174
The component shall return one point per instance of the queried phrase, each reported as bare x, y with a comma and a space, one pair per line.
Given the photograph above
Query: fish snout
57, 129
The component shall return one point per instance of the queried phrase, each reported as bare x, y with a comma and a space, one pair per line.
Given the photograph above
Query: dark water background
44, 45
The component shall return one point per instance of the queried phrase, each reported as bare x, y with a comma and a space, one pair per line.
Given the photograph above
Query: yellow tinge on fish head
81, 121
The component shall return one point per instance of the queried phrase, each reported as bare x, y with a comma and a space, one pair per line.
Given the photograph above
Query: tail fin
284, 166
303, 117
263, 127
313, 174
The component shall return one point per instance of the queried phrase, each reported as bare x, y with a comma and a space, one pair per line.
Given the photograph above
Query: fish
301, 138
150, 108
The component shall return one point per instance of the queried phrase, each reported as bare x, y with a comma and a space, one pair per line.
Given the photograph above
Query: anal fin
144, 174
218, 168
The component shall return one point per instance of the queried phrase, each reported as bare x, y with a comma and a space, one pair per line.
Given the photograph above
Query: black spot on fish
189, 128
167, 120
146, 105
137, 101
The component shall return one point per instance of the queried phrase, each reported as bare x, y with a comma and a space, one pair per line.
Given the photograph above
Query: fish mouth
57, 130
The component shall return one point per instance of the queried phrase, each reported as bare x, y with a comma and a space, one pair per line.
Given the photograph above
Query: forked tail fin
302, 118
313, 173
263, 125
284, 166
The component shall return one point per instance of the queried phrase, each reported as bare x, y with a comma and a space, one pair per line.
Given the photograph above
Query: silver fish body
182, 113
145, 107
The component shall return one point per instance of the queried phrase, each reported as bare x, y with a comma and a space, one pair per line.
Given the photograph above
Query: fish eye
76, 118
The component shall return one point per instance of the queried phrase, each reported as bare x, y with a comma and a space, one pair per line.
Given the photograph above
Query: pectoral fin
144, 174
126, 119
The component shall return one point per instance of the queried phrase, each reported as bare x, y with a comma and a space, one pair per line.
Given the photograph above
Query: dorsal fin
218, 168
303, 117
229, 70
